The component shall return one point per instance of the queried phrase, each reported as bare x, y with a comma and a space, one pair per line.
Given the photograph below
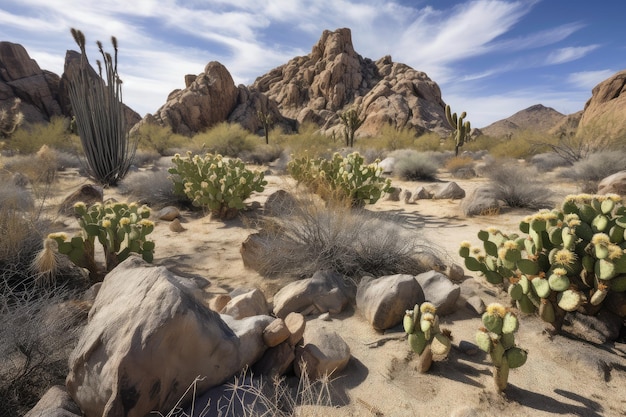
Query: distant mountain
537, 118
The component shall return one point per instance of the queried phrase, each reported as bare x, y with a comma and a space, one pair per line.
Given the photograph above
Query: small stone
475, 304
276, 333
456, 273
168, 213
296, 324
325, 317
176, 227
219, 302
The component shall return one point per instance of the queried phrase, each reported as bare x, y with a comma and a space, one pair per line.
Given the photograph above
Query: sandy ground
562, 376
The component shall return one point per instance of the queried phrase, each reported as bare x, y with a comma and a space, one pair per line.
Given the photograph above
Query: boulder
450, 191
613, 184
144, 317
476, 305
280, 203
480, 202
56, 402
383, 301
406, 196
247, 304
276, 361
455, 272
295, 324
421, 193
276, 333
168, 213
89, 194
387, 164
440, 291
393, 194
323, 352
324, 292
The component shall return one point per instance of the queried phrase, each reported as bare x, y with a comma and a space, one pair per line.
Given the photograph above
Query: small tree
266, 121
99, 114
351, 122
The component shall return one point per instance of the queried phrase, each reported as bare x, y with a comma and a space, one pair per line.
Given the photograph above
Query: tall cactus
461, 132
351, 122
100, 116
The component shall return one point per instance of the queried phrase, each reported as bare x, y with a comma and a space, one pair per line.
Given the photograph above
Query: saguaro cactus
461, 130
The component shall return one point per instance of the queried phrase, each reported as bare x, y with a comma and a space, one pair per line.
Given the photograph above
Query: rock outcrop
537, 118
604, 115
21, 77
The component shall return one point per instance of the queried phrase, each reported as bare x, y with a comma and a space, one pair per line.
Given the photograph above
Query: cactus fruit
497, 338
424, 335
567, 259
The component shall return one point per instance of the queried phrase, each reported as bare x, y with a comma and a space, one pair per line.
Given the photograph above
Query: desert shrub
347, 179
548, 161
214, 183
428, 142
517, 147
153, 188
518, 186
590, 171
55, 134
390, 139
145, 157
262, 154
308, 142
460, 166
159, 138
411, 165
227, 139
14, 197
67, 160
39, 168
36, 338
353, 242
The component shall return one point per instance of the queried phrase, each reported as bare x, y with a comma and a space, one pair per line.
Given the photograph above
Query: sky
490, 58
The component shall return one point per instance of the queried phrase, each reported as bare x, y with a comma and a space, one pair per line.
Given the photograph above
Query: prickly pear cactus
424, 335
567, 259
497, 338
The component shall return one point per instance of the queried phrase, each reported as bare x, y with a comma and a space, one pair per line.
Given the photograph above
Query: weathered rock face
604, 116
209, 99
317, 87
148, 338
21, 77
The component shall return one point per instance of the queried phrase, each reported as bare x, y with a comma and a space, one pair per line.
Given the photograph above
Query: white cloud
573, 53
589, 79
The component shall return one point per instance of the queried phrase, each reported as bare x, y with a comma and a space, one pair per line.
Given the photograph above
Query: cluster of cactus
351, 122
120, 228
10, 119
214, 183
424, 335
497, 338
344, 178
461, 129
569, 259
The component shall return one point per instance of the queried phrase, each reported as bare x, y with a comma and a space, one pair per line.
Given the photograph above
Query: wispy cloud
589, 79
563, 55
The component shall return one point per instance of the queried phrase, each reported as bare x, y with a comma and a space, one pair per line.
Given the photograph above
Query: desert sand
562, 376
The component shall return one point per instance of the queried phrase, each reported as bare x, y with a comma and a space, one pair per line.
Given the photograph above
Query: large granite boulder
613, 184
148, 338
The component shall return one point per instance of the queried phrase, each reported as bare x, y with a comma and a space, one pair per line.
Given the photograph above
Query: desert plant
460, 166
548, 161
262, 154
267, 121
497, 338
227, 139
411, 165
120, 228
214, 183
391, 139
54, 134
313, 236
100, 116
429, 142
460, 130
517, 186
424, 335
341, 178
153, 188
308, 141
158, 138
351, 121
10, 119
570, 258
588, 172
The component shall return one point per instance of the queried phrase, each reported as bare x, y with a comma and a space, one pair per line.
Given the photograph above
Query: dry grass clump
226, 139
55, 134
307, 142
160, 139
39, 168
411, 165
262, 154
590, 171
518, 186
309, 236
153, 187
548, 161
460, 166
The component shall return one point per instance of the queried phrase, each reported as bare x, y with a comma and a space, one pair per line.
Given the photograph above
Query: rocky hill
537, 118
315, 88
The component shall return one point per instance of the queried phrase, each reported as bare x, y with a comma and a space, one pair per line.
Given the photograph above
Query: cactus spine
497, 338
424, 335
461, 130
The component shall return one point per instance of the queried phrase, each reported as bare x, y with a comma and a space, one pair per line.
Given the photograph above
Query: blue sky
490, 58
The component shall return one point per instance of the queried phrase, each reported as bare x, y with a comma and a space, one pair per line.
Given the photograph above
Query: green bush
308, 142
29, 139
227, 139
341, 178
432, 142
390, 139
216, 184
159, 138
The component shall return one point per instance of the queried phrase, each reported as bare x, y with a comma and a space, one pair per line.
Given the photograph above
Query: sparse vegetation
227, 139
460, 167
153, 188
55, 134
590, 171
351, 121
158, 138
518, 186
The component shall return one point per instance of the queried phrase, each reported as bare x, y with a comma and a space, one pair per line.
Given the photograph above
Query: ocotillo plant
351, 122
461, 130
99, 112
424, 335
497, 338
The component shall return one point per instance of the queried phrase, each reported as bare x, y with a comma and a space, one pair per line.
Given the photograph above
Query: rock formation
604, 115
21, 77
315, 88
537, 118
